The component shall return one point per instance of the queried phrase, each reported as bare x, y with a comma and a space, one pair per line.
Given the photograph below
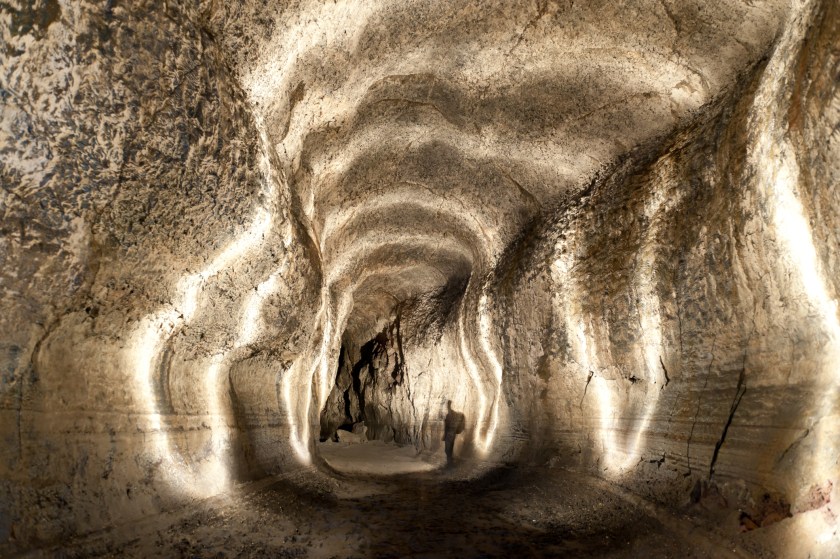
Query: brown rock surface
607, 231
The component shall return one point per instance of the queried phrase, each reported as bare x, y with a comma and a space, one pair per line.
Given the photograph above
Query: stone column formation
609, 232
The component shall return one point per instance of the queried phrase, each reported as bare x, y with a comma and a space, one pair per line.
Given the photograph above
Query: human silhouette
453, 425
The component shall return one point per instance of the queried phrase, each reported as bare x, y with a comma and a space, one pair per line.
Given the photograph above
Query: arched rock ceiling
424, 135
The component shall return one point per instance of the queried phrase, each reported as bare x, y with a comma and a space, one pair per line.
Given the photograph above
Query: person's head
449, 405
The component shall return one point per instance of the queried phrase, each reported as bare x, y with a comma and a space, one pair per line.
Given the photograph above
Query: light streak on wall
486, 331
404, 199
298, 381
251, 325
348, 263
584, 351
320, 373
338, 27
652, 344
190, 285
298, 430
469, 145
324, 384
584, 355
298, 403
617, 456
777, 181
488, 387
150, 337
478, 382
650, 323
330, 346
214, 477
341, 22
633, 418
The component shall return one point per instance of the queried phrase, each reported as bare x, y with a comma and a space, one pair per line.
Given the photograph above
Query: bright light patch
795, 235
475, 377
826, 536
150, 337
298, 428
485, 328
777, 180
251, 318
215, 476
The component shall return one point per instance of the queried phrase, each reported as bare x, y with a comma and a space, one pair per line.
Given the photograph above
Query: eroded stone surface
607, 232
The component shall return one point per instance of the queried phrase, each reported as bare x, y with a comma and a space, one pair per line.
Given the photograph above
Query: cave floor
376, 458
504, 513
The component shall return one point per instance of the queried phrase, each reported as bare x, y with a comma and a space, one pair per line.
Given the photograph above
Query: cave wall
136, 192
398, 382
202, 203
422, 139
676, 323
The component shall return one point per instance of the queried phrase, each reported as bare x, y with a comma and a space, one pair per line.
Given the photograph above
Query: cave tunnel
420, 279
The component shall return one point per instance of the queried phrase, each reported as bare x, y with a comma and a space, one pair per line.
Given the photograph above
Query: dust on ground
505, 512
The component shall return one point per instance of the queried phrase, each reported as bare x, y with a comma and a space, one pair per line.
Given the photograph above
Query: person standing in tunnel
453, 426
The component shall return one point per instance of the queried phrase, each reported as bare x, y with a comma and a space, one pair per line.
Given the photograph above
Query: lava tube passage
405, 278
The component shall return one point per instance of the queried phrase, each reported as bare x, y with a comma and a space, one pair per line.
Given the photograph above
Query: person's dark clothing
453, 425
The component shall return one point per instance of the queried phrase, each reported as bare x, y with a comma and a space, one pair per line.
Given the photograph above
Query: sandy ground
430, 513
377, 458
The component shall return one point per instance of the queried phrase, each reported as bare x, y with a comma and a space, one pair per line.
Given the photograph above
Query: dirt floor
503, 513
377, 458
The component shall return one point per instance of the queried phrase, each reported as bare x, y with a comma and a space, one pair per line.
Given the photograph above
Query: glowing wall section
311, 377
149, 339
209, 475
778, 176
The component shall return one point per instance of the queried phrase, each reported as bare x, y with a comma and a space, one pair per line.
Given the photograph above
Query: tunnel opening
378, 396
376, 366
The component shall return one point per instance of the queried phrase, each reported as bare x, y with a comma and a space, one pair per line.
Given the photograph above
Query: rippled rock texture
607, 231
